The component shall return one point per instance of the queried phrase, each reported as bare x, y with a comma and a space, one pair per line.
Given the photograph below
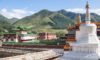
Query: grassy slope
45, 21
4, 24
48, 21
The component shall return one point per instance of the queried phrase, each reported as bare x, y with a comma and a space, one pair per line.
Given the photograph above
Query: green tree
60, 34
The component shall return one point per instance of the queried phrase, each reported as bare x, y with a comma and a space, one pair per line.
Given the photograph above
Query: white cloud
80, 10
76, 10
20, 13
97, 11
17, 13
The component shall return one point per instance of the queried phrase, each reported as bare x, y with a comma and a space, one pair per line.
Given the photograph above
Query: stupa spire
87, 20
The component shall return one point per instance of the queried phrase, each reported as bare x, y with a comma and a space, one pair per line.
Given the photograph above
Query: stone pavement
35, 56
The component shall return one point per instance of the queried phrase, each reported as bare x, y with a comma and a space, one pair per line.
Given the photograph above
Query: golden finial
87, 5
78, 19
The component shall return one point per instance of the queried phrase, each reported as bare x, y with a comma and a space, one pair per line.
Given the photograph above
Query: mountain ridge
46, 19
41, 15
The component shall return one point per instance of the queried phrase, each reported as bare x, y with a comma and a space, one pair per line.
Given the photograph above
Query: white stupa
87, 46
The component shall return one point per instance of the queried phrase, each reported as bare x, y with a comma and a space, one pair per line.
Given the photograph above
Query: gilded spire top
78, 19
87, 13
87, 5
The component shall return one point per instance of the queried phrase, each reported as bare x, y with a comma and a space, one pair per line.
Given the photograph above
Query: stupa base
79, 56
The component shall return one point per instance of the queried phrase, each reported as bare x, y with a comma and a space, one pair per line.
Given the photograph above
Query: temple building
25, 37
19, 36
47, 36
11, 37
87, 43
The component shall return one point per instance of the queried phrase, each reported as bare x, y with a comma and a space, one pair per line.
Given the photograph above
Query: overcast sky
22, 8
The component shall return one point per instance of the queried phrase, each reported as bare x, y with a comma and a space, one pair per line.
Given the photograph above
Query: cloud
76, 10
15, 13
80, 10
20, 13
97, 11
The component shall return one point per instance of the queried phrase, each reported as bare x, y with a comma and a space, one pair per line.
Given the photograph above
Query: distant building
47, 36
21, 36
11, 37
27, 37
